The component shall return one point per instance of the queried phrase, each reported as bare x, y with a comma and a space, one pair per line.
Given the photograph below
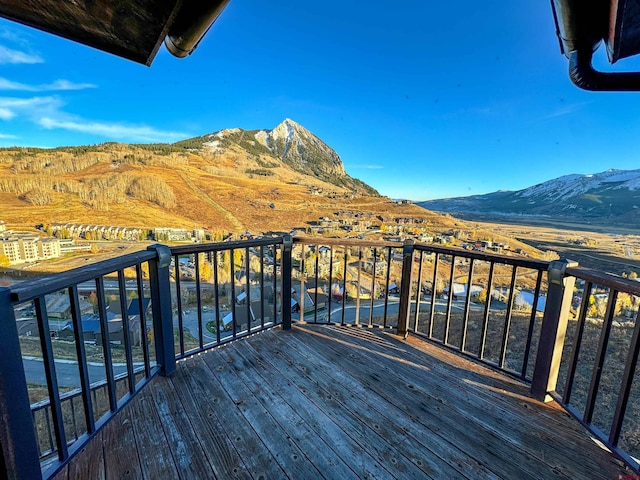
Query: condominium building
24, 248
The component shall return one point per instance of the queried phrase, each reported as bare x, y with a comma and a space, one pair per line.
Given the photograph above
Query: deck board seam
469, 408
338, 426
212, 370
453, 426
193, 380
428, 448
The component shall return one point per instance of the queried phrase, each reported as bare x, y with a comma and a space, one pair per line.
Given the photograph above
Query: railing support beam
554, 328
162, 314
287, 246
405, 288
18, 444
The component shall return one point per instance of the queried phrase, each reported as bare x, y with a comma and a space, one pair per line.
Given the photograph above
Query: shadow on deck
332, 402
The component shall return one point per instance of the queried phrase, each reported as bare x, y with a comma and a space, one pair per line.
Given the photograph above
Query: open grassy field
607, 251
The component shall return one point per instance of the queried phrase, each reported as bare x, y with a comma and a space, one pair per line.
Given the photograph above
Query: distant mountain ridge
608, 197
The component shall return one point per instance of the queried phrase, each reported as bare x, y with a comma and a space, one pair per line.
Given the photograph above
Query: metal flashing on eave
133, 29
624, 29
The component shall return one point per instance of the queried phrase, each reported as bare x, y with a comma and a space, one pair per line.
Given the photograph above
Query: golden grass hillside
159, 185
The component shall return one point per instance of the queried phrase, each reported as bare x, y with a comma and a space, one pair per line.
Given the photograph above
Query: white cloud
33, 107
46, 112
6, 114
58, 85
8, 55
67, 85
367, 167
140, 133
564, 110
7, 136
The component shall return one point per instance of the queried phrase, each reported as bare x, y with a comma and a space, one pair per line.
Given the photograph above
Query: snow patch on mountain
569, 186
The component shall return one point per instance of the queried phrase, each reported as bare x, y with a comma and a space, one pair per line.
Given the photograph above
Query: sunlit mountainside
232, 180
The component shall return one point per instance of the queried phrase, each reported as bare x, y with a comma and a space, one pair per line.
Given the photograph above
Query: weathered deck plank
336, 442
156, 460
495, 413
283, 432
225, 461
342, 391
119, 441
89, 463
203, 383
464, 414
191, 458
330, 402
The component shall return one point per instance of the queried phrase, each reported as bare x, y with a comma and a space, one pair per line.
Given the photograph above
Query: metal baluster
83, 369
261, 287
302, 295
52, 379
447, 322
143, 321
418, 293
357, 320
600, 356
507, 326
465, 314
344, 285
19, 445
287, 244
315, 296
198, 302
373, 286
487, 311
625, 386
532, 321
176, 260
106, 344
330, 296
232, 301
126, 332
247, 287
386, 288
432, 307
216, 294
274, 251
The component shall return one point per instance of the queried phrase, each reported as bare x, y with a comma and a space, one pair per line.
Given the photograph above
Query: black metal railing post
19, 458
287, 246
405, 287
554, 327
162, 313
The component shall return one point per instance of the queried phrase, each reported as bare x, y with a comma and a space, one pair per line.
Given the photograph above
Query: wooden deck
331, 402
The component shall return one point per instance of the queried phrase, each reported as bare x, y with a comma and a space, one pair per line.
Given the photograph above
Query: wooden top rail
605, 280
28, 290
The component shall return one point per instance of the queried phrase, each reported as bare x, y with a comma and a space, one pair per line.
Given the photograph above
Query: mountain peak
302, 150
289, 142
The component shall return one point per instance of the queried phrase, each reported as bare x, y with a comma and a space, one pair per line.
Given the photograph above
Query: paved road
67, 372
392, 309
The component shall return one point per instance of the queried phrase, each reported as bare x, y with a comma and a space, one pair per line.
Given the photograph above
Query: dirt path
237, 225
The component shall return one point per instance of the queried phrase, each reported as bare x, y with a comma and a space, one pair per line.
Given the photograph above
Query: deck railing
125, 320
485, 306
599, 320
574, 334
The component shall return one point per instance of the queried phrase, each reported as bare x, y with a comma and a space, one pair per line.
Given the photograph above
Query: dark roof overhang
132, 29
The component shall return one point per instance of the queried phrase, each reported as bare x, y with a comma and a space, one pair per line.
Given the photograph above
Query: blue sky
421, 99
